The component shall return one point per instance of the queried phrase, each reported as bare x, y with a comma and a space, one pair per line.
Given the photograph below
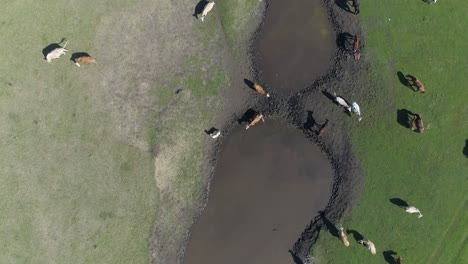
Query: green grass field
427, 170
79, 182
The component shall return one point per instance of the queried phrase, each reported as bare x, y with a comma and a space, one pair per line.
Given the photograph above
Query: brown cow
255, 120
417, 123
259, 89
417, 83
356, 44
321, 128
84, 59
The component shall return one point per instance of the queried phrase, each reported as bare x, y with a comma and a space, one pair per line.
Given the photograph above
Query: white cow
355, 109
206, 10
413, 210
56, 53
370, 246
341, 101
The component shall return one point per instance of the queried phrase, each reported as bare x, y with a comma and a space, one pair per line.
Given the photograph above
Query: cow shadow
343, 4
344, 41
329, 225
247, 116
51, 47
405, 81
210, 131
249, 83
295, 258
399, 202
388, 256
310, 121
356, 235
403, 117
77, 55
199, 8
465, 149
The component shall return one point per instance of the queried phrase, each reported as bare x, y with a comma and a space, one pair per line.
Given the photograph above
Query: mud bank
268, 183
310, 106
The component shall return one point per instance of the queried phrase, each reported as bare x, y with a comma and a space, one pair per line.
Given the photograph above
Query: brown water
296, 44
268, 184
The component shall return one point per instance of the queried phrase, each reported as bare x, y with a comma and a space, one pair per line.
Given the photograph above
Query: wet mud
269, 182
295, 45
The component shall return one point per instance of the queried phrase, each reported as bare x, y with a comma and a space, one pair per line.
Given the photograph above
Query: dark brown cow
417, 123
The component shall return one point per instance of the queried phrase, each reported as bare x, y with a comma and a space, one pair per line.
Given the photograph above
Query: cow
356, 53
259, 89
341, 101
321, 128
357, 7
83, 58
399, 260
343, 236
370, 246
413, 210
56, 52
356, 44
355, 109
206, 10
255, 120
414, 82
417, 123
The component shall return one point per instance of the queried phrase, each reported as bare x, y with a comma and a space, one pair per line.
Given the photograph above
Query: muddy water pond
269, 182
295, 46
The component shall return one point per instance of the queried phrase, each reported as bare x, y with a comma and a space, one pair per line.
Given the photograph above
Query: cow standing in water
259, 89
255, 120
417, 123
343, 236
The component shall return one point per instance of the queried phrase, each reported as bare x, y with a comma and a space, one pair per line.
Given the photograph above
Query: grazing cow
370, 246
83, 58
321, 128
417, 83
357, 7
341, 101
56, 53
206, 10
355, 109
417, 123
399, 260
259, 89
413, 210
255, 120
343, 236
